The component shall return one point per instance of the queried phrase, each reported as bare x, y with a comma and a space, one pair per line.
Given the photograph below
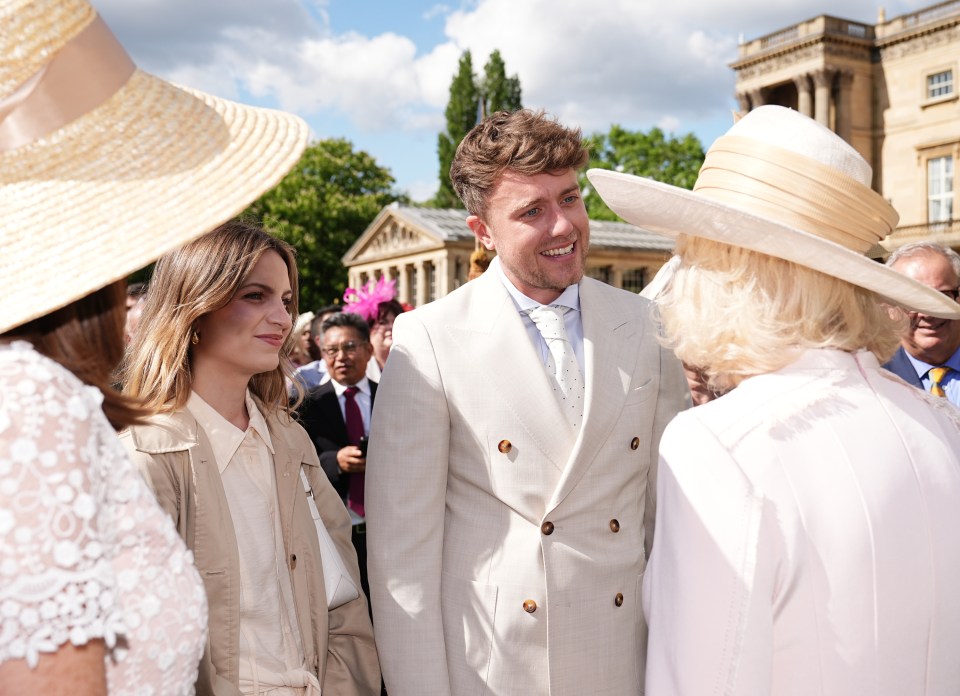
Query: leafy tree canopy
471, 100
321, 207
653, 154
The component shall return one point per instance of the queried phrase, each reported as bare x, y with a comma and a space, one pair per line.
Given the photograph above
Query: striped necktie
936, 375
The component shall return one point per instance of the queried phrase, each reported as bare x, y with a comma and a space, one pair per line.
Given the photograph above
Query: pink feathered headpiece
366, 300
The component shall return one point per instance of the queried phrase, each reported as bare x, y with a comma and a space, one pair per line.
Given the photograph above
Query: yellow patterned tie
936, 377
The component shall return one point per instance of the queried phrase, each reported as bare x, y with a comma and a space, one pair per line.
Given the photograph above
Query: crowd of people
746, 481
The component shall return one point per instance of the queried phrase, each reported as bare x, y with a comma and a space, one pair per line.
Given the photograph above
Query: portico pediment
390, 237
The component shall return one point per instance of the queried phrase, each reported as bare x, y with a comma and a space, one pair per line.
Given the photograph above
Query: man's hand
351, 460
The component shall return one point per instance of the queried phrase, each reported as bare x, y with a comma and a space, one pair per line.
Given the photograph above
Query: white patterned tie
562, 363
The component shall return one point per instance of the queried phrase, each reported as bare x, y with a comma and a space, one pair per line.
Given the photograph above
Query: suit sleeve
311, 418
709, 587
673, 396
405, 502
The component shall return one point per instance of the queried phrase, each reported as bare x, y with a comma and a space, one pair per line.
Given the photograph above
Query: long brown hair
196, 279
86, 337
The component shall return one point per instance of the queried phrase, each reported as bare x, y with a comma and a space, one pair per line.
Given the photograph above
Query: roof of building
450, 224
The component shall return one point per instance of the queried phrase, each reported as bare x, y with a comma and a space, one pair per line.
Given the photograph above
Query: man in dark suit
337, 414
929, 353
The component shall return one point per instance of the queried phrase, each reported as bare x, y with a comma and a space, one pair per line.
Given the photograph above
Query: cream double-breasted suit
506, 551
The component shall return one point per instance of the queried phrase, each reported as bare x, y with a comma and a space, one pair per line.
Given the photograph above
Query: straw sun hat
103, 168
781, 184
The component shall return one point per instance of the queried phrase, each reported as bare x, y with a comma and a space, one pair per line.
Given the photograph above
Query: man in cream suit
511, 475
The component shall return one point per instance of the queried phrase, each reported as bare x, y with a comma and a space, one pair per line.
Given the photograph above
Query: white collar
363, 386
225, 438
570, 297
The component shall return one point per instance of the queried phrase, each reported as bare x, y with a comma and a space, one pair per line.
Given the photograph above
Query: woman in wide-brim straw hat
102, 169
806, 520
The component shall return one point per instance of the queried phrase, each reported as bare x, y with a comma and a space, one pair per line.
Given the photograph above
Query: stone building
889, 89
427, 251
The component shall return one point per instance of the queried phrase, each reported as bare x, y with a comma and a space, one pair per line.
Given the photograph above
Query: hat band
796, 191
85, 73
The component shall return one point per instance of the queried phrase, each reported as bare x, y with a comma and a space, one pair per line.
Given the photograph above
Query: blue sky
378, 72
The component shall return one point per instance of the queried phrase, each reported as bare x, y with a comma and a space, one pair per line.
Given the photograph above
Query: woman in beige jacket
241, 479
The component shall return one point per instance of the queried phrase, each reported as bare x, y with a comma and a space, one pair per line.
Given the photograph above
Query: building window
940, 84
633, 279
412, 283
601, 273
939, 189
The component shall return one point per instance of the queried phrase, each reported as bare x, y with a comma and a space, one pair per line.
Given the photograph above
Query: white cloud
436, 11
632, 62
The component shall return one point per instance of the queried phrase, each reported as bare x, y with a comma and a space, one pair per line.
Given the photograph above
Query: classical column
616, 276
845, 106
441, 274
403, 284
823, 81
804, 95
757, 98
421, 289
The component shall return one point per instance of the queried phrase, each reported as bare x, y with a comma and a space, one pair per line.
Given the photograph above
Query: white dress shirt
271, 650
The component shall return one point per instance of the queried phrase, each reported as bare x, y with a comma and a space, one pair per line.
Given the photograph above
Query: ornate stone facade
869, 83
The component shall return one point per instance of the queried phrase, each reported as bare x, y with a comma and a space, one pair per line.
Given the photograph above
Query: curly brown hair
527, 142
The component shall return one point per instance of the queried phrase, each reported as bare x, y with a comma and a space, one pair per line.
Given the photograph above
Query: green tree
470, 100
654, 154
498, 92
321, 207
461, 116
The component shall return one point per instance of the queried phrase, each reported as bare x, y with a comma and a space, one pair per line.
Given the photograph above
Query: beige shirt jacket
176, 458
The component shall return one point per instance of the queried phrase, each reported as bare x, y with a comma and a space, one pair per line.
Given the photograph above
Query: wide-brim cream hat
104, 168
781, 184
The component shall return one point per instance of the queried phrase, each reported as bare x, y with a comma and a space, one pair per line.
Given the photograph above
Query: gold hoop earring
195, 338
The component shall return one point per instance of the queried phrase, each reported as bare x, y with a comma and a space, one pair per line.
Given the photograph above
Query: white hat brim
147, 171
671, 211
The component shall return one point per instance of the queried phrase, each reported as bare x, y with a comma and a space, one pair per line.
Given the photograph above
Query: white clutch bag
339, 585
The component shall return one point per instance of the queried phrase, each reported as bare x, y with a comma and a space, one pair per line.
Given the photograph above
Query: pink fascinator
366, 299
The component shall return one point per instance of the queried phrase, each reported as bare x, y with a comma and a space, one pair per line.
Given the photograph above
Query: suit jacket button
614, 526
293, 561
634, 443
618, 600
504, 446
547, 528
529, 606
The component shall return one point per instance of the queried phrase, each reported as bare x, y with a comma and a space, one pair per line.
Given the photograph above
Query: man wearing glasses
929, 353
336, 415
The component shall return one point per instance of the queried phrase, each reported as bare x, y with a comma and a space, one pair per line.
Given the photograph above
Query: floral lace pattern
85, 550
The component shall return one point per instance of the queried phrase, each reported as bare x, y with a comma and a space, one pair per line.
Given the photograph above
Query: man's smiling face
930, 339
540, 230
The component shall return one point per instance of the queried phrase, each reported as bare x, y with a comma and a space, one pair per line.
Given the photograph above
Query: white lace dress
85, 550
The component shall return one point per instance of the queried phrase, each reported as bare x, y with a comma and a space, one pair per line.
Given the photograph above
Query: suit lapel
330, 412
493, 335
610, 349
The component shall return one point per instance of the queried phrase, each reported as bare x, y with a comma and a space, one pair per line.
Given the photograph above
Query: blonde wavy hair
196, 279
734, 313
